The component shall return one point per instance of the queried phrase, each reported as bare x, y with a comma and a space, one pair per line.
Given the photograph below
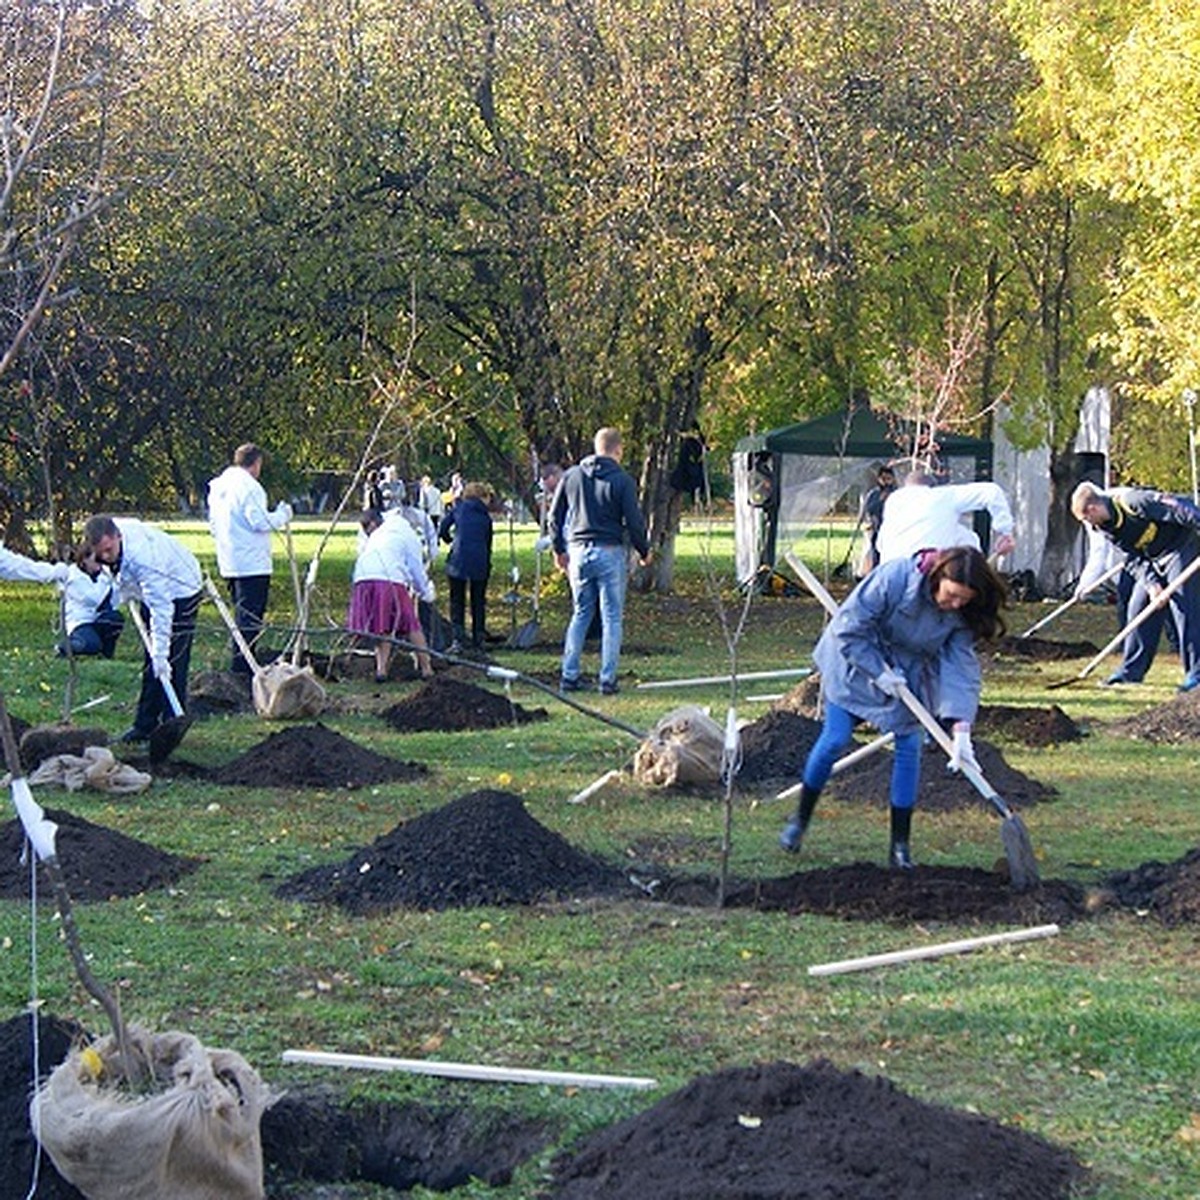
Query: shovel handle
234, 632
1111, 573
135, 615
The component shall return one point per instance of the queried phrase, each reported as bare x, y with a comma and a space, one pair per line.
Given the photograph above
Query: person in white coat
241, 526
91, 625
154, 570
389, 569
920, 516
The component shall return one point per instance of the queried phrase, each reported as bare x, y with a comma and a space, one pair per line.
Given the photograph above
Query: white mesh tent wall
787, 479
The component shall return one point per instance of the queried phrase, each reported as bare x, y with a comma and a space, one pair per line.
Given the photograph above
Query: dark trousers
153, 707
98, 636
458, 609
249, 596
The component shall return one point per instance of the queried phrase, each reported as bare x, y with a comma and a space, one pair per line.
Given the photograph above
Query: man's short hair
101, 525
247, 454
1083, 495
607, 440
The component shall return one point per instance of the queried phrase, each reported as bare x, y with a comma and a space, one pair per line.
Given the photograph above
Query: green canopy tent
786, 479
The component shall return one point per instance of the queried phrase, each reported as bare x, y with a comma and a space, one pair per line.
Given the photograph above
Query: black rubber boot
899, 857
793, 832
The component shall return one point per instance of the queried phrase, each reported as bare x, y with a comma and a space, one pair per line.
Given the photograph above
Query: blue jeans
834, 737
598, 575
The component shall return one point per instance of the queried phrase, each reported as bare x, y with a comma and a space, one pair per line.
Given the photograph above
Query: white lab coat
241, 523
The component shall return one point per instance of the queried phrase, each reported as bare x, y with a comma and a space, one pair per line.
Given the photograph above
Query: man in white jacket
241, 526
919, 516
154, 570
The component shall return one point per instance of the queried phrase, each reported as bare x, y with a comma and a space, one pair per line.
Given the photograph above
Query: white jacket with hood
241, 523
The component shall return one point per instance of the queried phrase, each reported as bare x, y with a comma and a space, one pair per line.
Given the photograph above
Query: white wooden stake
592, 788
477, 1071
782, 673
902, 956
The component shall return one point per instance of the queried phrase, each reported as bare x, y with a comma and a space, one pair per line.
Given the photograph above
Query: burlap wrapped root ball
684, 747
193, 1134
285, 692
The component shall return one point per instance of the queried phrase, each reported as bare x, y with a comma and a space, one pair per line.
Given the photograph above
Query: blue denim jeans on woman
835, 736
598, 575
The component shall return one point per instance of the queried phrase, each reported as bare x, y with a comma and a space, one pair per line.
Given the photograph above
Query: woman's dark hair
967, 566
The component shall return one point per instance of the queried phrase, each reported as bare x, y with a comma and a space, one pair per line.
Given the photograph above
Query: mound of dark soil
865, 892
481, 849
445, 703
219, 692
941, 790
1031, 726
45, 741
1042, 650
776, 745
1168, 891
311, 1135
97, 863
317, 757
1176, 721
810, 1133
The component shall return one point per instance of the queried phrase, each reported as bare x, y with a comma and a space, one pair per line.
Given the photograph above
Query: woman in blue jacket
911, 621
467, 525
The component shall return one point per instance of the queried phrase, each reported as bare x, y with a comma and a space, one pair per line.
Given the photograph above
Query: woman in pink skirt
389, 568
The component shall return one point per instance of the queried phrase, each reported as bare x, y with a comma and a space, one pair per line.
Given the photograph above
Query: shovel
168, 734
1018, 851
1111, 573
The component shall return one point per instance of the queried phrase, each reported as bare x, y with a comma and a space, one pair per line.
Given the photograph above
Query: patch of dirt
483, 848
940, 790
776, 745
1043, 650
1176, 721
17, 1145
1031, 726
97, 863
317, 757
866, 892
810, 1133
1168, 891
446, 703
309, 1136
41, 742
312, 1135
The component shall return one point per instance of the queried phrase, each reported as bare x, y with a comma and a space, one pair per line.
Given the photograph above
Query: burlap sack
685, 746
194, 1138
95, 768
285, 692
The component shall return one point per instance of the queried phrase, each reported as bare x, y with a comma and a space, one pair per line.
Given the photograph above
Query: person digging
911, 622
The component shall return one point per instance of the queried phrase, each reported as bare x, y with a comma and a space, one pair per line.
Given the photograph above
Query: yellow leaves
1189, 1134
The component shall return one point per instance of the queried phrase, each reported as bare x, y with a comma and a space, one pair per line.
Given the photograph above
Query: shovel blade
1018, 851
166, 737
525, 637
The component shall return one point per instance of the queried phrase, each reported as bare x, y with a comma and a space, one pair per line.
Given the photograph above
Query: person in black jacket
467, 525
595, 509
1160, 534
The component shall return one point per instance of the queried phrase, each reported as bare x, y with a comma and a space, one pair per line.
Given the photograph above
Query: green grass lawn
1091, 1039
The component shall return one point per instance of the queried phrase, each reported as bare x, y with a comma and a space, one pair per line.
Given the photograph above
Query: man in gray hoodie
595, 509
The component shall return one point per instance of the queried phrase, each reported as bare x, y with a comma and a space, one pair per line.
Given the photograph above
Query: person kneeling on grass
91, 624
912, 621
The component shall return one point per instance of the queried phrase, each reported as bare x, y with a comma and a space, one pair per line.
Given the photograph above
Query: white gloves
283, 514
962, 753
545, 542
429, 595
889, 681
161, 666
